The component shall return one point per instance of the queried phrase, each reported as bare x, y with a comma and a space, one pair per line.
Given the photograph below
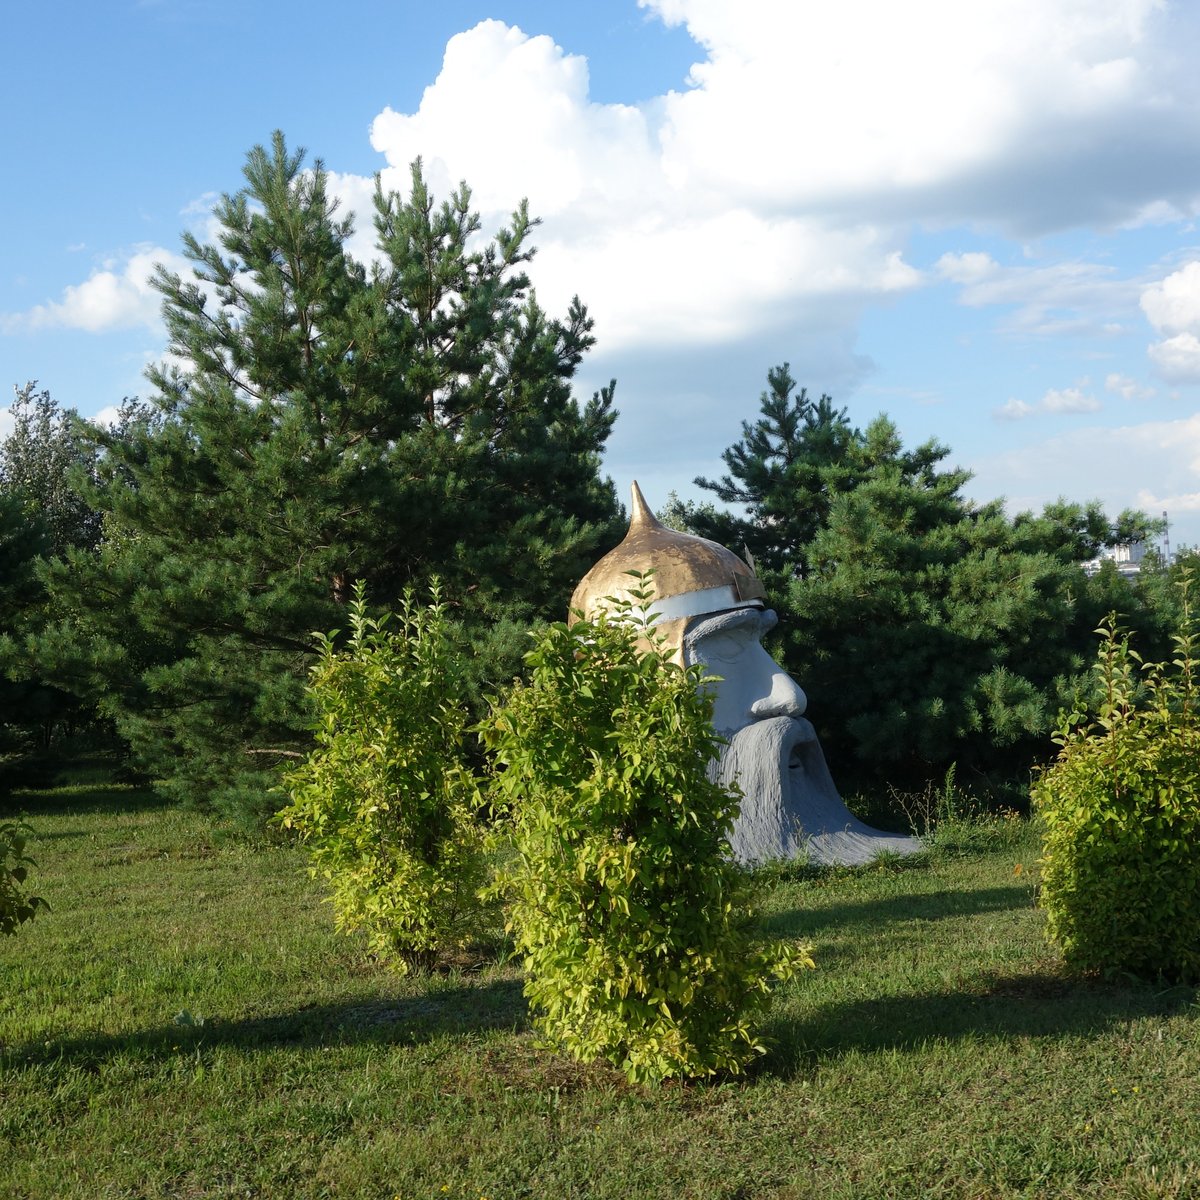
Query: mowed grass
187, 1023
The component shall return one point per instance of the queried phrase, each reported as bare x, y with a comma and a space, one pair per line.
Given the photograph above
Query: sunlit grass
185, 1022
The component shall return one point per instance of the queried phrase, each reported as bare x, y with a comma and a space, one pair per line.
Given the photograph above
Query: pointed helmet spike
642, 516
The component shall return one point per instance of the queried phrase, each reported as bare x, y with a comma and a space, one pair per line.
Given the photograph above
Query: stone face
711, 609
790, 806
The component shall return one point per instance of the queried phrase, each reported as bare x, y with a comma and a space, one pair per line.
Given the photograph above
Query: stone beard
790, 807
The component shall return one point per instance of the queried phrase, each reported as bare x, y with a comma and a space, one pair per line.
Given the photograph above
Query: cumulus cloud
670, 203
355, 196
541, 136
994, 109
1014, 410
117, 295
1177, 358
659, 260
1172, 306
972, 268
1071, 401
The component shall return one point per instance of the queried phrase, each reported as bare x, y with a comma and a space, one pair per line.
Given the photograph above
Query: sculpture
710, 608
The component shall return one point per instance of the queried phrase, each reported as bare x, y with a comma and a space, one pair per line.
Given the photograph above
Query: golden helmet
692, 576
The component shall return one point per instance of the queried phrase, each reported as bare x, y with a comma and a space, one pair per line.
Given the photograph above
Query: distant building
1128, 559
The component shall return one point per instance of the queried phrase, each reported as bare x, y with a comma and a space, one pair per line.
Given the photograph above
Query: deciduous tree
46, 466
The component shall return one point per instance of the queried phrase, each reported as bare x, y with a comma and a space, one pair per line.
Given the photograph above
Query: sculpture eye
724, 647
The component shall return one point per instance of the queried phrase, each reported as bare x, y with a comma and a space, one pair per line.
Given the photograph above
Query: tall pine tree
321, 423
927, 629
798, 448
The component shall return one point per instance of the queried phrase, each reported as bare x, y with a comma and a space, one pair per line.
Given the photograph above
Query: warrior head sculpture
710, 607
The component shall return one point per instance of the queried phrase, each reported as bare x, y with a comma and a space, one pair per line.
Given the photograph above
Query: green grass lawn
186, 1023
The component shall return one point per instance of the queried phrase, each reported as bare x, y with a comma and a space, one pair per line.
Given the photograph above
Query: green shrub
385, 800
15, 906
1120, 817
636, 929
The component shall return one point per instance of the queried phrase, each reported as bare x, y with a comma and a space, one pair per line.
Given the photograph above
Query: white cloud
1155, 502
107, 416
1177, 358
947, 110
1173, 304
654, 285
1014, 410
117, 295
663, 214
1072, 400
355, 196
1069, 400
973, 267
657, 259
1047, 300
1127, 388
541, 135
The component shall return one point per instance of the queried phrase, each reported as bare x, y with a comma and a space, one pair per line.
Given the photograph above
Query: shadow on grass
106, 798
1028, 1005
367, 1020
931, 906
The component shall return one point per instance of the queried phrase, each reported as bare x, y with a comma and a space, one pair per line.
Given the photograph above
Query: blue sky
978, 218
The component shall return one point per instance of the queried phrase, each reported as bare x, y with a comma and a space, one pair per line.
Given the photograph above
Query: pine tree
927, 635
327, 424
22, 542
926, 629
798, 448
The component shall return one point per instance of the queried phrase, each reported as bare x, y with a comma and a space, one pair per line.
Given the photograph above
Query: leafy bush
385, 800
15, 906
1120, 814
637, 930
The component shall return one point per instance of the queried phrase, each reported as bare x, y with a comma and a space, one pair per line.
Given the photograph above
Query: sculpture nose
785, 699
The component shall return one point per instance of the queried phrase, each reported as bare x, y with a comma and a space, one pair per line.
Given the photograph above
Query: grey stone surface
790, 807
